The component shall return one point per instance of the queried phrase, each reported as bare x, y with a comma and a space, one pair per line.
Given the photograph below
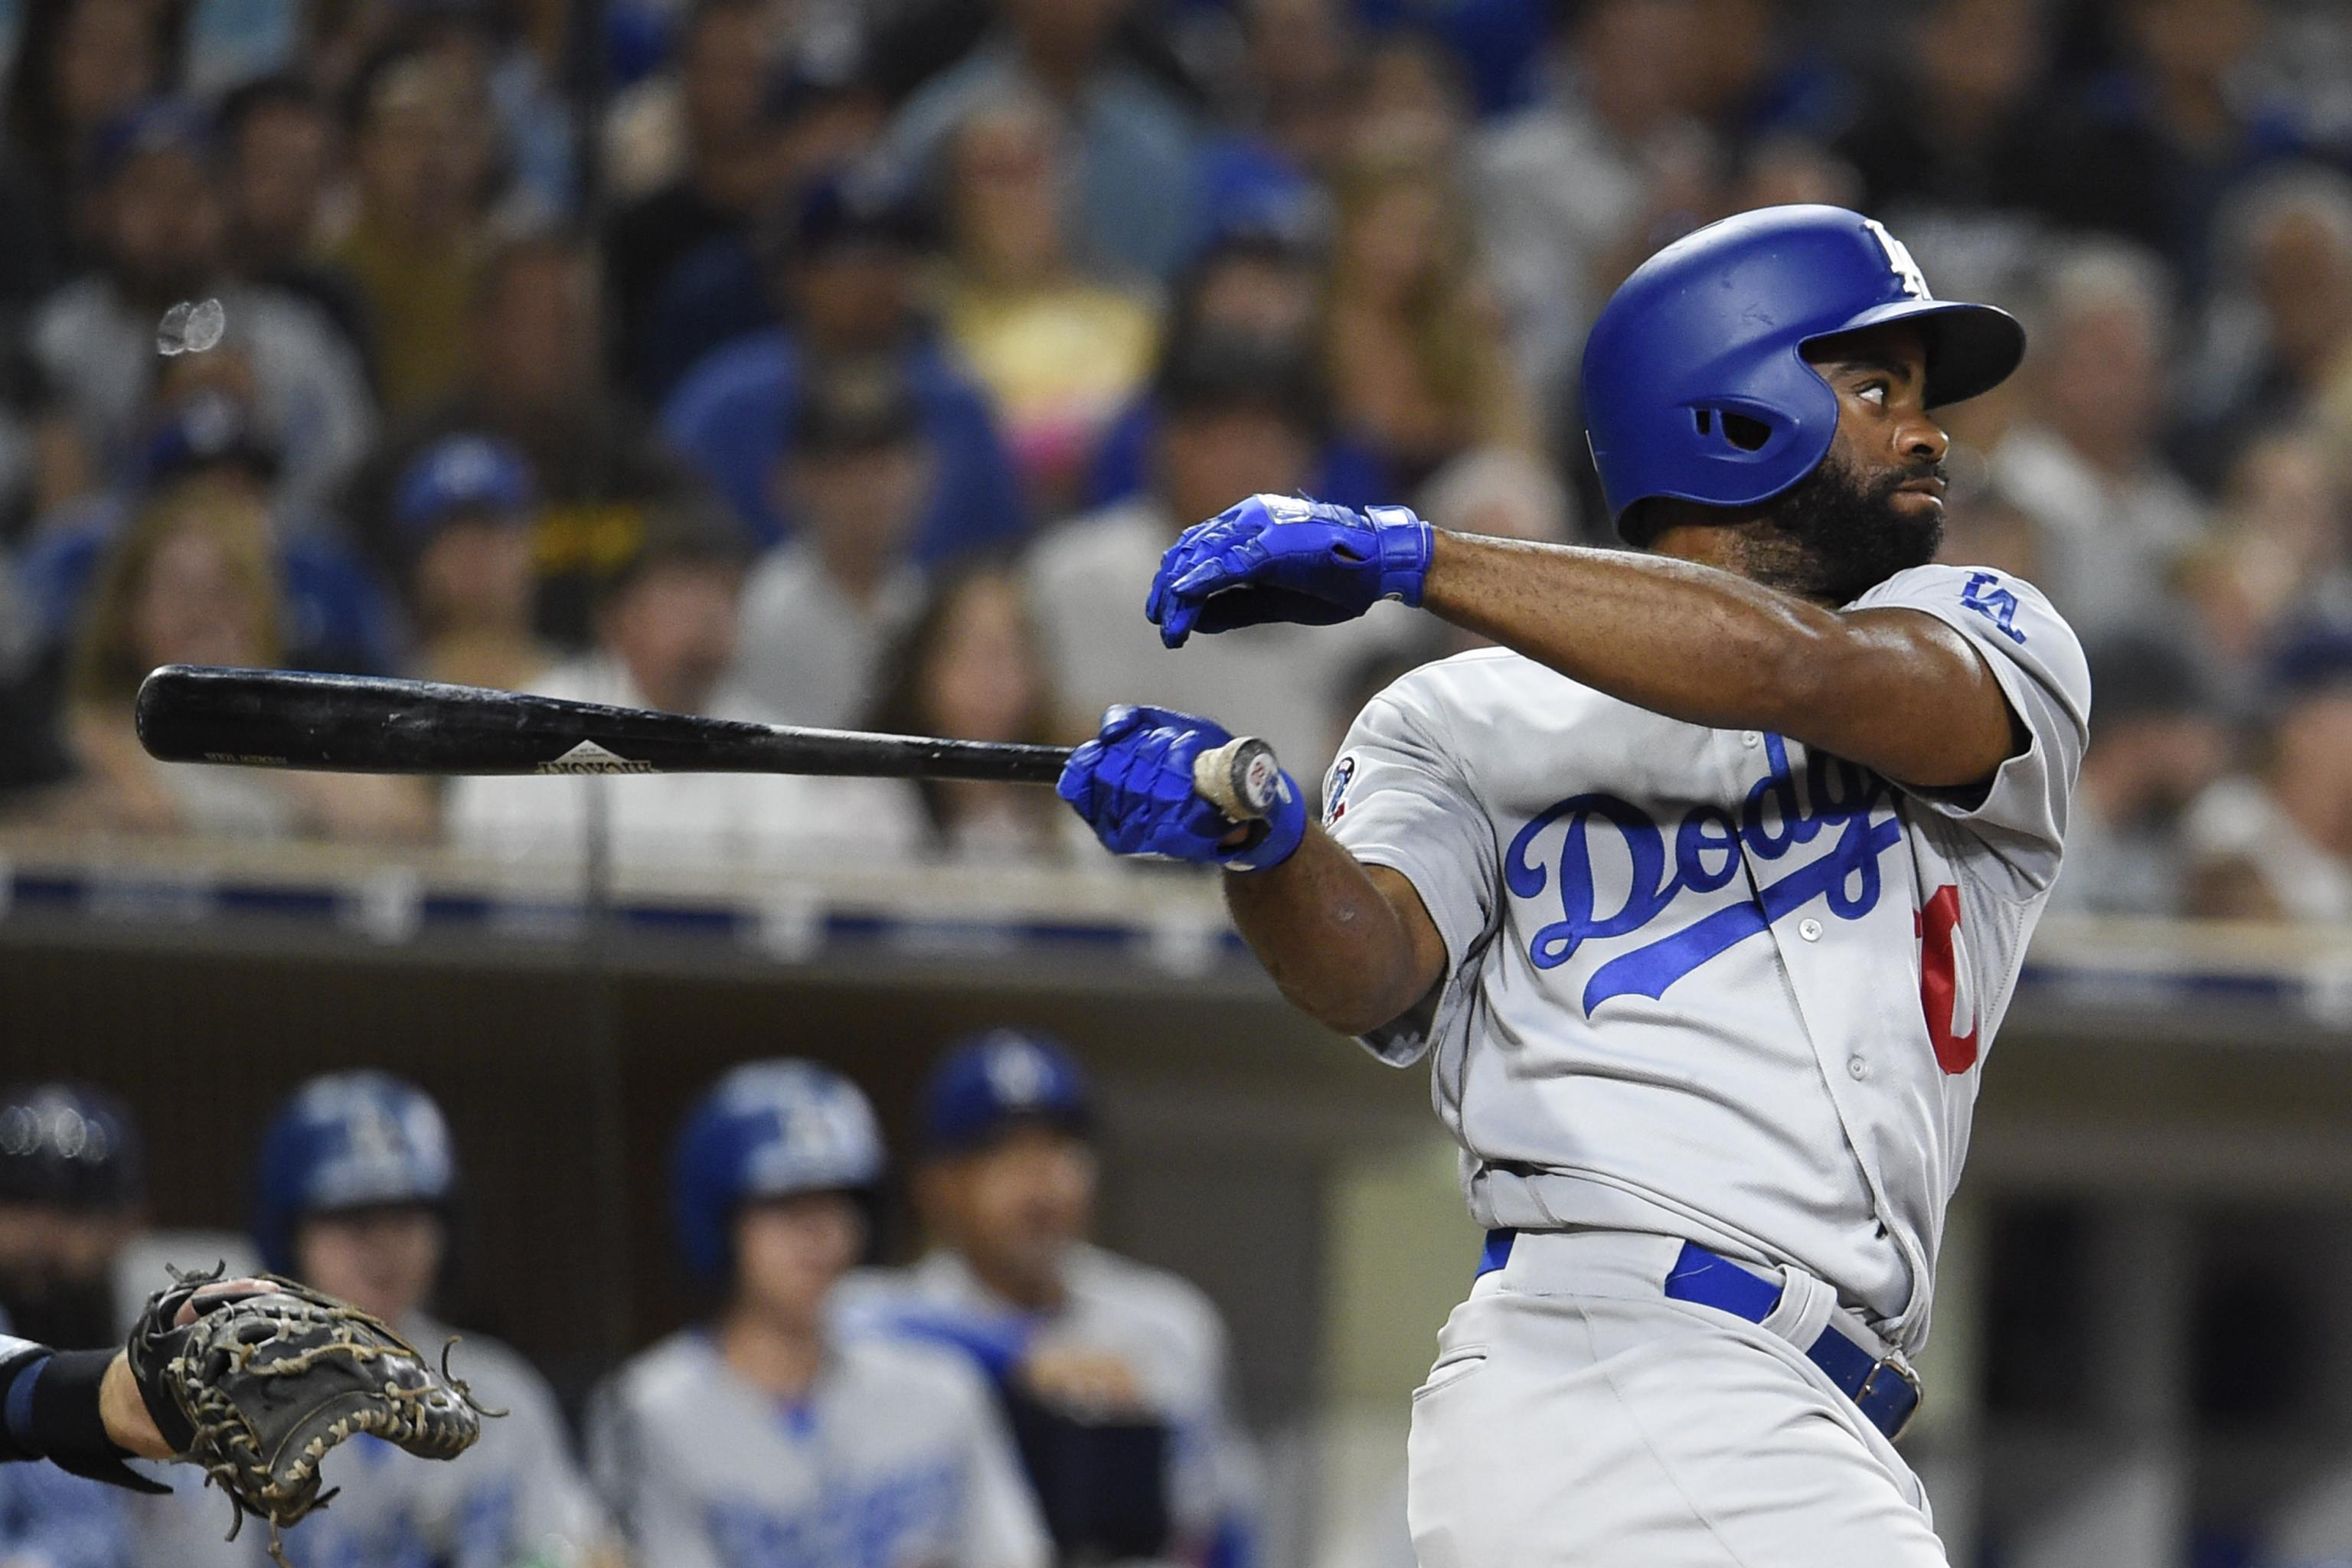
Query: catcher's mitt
265, 1381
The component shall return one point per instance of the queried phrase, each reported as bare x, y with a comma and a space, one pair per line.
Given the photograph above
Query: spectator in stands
667, 628
844, 262
73, 1191
2278, 846
2283, 351
2151, 150
1409, 105
820, 609
193, 581
1292, 123
1237, 416
971, 668
1753, 78
2111, 520
76, 66
356, 1194
421, 150
204, 428
1956, 123
2281, 555
1135, 176
162, 225
535, 376
1261, 283
731, 158
2160, 745
467, 513
32, 755
1412, 344
283, 153
1059, 351
1572, 191
1114, 1374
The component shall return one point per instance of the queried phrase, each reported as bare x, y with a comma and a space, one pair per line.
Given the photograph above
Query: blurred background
852, 362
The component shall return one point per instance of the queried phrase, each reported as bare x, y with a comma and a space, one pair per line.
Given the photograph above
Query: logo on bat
588, 757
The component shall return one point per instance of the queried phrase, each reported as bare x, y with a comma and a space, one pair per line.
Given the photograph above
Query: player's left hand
1133, 786
1283, 558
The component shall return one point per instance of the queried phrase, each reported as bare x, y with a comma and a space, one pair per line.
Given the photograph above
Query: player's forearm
1894, 690
1688, 641
1336, 944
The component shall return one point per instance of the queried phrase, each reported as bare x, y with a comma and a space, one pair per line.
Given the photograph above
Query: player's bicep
1917, 702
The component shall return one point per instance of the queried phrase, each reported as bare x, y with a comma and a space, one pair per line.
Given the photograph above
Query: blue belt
1886, 1390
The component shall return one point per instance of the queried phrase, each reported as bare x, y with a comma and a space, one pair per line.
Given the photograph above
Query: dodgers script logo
1777, 818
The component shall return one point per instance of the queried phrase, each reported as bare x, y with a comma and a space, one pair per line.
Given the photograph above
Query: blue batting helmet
990, 1080
768, 1130
348, 1141
1696, 385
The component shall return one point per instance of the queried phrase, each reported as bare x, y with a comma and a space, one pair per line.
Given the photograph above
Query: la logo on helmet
1898, 256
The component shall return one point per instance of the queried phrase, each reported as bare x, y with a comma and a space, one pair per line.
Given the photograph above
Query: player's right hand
1133, 786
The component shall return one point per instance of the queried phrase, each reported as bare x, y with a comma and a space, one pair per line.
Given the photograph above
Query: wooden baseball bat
368, 724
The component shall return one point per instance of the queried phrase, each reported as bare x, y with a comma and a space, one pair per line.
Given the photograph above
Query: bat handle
1240, 778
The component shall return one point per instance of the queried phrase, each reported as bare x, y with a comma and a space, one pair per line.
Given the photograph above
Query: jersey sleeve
1397, 797
2038, 661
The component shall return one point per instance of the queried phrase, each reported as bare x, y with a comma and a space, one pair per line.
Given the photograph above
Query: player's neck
1756, 554
774, 1357
1032, 1290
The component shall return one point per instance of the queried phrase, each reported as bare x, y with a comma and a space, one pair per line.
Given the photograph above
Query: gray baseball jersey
1165, 1329
516, 1498
897, 1459
1709, 984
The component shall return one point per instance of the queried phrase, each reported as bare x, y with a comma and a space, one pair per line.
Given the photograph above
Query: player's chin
1917, 504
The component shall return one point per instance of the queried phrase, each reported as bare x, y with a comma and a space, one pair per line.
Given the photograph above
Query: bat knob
1241, 778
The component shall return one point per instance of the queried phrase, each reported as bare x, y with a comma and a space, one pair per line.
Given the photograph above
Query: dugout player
763, 1439
73, 1191
1113, 1375
354, 1195
1705, 892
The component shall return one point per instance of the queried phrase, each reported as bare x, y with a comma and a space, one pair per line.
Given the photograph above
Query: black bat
367, 724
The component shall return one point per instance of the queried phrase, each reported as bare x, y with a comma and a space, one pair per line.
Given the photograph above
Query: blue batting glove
1133, 786
1283, 558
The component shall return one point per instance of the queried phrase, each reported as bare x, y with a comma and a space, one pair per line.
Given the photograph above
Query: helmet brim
1971, 349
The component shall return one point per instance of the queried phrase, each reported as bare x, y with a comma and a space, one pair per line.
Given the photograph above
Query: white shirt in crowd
811, 654
2107, 546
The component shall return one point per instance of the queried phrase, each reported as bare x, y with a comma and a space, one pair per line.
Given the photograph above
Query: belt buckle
1893, 1363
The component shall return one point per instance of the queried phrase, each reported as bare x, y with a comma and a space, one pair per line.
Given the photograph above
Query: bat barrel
258, 717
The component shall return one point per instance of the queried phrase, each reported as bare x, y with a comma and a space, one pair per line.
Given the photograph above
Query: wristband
53, 1414
1404, 541
1278, 836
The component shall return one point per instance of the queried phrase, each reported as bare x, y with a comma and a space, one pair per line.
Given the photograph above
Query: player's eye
1873, 391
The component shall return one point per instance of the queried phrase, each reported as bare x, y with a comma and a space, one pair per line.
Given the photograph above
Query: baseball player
357, 1184
1113, 1374
72, 1189
1704, 892
764, 1441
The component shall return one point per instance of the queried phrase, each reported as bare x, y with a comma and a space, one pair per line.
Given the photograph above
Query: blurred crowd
1014, 1398
852, 362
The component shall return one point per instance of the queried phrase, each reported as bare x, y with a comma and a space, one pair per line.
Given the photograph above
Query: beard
1834, 534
